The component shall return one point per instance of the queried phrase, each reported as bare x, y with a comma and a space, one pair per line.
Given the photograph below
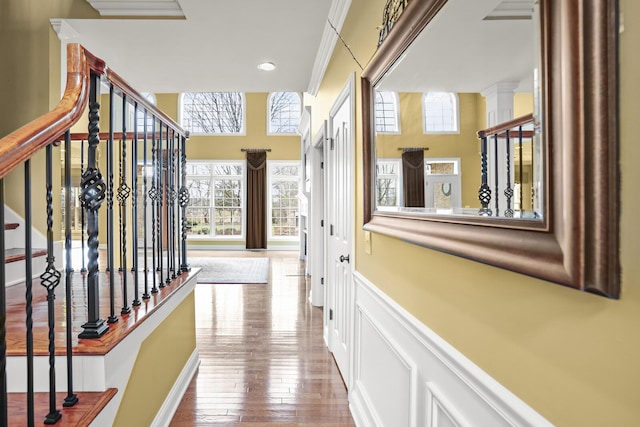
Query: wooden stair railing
166, 142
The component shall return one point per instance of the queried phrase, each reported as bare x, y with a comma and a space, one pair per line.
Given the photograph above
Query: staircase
15, 251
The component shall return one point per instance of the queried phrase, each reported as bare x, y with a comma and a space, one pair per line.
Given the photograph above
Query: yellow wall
161, 358
572, 356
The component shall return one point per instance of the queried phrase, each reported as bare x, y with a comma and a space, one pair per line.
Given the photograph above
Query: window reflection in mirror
471, 70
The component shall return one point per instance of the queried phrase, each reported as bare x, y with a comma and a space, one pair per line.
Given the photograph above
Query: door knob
344, 258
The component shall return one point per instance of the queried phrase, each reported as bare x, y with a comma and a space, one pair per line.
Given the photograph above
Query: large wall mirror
490, 132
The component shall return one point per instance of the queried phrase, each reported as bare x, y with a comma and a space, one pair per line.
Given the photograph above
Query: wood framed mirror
572, 236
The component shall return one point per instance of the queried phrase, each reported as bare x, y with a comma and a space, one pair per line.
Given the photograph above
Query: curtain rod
413, 148
255, 150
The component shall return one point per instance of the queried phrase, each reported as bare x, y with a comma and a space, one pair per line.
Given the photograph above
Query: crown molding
137, 7
337, 15
63, 29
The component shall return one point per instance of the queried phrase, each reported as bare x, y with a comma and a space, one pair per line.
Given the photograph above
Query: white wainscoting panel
406, 375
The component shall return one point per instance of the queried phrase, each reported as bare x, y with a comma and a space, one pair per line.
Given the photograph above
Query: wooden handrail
502, 127
24, 142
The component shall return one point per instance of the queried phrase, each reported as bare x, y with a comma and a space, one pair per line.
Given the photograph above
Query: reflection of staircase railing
507, 138
159, 137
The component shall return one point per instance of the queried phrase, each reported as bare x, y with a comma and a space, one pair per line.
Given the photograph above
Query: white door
339, 220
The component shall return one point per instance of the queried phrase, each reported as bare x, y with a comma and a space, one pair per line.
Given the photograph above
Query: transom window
284, 113
216, 199
213, 113
440, 112
284, 208
387, 112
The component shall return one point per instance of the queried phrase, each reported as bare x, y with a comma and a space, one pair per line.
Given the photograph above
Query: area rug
231, 270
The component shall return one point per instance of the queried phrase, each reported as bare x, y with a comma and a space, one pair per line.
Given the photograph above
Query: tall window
284, 182
141, 118
440, 112
388, 183
216, 199
284, 112
387, 112
213, 112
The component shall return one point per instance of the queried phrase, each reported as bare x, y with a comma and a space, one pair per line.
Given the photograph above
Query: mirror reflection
457, 116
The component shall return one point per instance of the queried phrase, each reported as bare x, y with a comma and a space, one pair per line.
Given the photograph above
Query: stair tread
11, 225
82, 413
18, 254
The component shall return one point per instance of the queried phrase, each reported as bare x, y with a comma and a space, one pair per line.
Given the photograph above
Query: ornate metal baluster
4, 417
508, 192
29, 291
50, 279
161, 194
484, 193
93, 193
171, 197
110, 229
123, 195
497, 173
82, 218
153, 195
71, 399
134, 206
145, 295
184, 201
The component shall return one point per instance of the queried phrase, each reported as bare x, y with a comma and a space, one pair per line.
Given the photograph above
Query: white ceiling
218, 44
216, 47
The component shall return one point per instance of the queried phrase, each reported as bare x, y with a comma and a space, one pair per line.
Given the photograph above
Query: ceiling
215, 45
210, 45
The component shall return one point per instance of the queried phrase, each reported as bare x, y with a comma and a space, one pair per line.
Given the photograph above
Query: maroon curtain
257, 200
413, 178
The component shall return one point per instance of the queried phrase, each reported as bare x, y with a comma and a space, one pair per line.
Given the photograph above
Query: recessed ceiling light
267, 66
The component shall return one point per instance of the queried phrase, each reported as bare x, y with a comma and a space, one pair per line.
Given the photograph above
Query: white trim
478, 396
337, 15
137, 7
173, 399
63, 30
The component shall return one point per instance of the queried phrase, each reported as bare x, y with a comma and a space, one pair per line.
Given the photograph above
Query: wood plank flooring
263, 358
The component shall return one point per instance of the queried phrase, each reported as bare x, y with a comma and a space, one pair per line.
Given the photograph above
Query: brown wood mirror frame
576, 244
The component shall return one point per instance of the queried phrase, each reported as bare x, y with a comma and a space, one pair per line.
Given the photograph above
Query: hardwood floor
263, 358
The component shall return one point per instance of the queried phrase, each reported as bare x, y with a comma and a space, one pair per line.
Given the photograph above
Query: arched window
387, 119
440, 112
213, 113
284, 109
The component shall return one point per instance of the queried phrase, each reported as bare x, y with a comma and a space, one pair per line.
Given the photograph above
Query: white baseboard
404, 374
168, 408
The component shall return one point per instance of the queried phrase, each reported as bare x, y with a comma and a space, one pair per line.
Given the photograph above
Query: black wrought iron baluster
145, 295
4, 417
153, 195
171, 272
497, 173
508, 192
123, 195
484, 193
82, 213
521, 172
93, 194
159, 220
110, 229
50, 279
71, 399
134, 206
184, 201
28, 291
